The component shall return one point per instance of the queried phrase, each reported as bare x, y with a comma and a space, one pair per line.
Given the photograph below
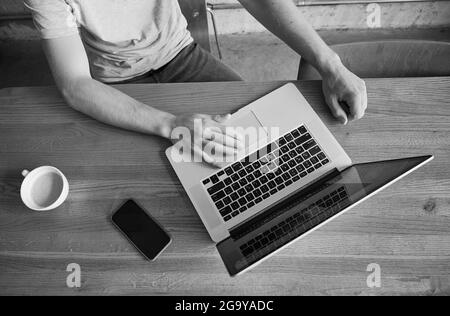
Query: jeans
192, 64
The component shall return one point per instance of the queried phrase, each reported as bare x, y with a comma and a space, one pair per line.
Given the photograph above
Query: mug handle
25, 173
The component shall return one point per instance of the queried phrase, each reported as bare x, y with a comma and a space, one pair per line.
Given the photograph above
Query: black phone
142, 230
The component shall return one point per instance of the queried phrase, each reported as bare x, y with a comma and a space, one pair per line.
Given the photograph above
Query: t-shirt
123, 38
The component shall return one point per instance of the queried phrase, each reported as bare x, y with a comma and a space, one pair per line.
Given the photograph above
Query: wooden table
405, 229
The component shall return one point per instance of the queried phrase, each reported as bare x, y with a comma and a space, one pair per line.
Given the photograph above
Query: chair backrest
196, 15
399, 58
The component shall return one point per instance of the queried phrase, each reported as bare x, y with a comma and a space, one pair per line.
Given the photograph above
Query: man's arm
341, 87
70, 67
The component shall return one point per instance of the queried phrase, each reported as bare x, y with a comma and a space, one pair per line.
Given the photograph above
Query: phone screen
146, 235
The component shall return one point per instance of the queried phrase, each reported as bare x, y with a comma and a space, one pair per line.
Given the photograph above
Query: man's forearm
111, 106
283, 19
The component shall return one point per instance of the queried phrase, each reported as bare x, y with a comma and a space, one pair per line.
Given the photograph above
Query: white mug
43, 189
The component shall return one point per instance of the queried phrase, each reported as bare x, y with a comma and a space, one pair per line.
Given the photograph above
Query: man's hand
345, 94
207, 134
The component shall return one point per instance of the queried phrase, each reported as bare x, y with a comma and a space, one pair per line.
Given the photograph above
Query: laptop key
218, 196
242, 201
249, 188
321, 156
300, 140
242, 192
288, 182
273, 191
264, 188
227, 200
235, 205
314, 150
311, 170
303, 174
258, 200
227, 210
234, 196
206, 181
237, 166
249, 197
306, 155
242, 173
251, 204
317, 166
243, 209
234, 214
296, 178
324, 162
227, 218
314, 160
310, 143
216, 188
228, 190
214, 179
219, 204
266, 195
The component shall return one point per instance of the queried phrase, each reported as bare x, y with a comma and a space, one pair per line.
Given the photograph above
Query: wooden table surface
405, 229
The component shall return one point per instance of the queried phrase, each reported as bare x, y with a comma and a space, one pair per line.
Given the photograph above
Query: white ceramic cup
44, 189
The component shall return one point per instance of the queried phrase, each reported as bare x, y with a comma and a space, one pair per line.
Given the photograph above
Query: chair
393, 58
196, 14
23, 63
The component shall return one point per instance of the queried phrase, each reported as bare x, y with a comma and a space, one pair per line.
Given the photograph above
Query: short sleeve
52, 18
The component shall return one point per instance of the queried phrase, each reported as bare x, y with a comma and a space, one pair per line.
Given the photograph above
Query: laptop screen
302, 213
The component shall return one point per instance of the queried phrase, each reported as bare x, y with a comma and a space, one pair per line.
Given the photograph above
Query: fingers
213, 135
205, 157
218, 149
221, 118
217, 122
336, 109
357, 103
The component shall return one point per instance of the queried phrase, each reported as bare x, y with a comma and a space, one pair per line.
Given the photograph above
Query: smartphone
141, 230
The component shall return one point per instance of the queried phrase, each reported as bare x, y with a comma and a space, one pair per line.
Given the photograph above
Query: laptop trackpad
248, 124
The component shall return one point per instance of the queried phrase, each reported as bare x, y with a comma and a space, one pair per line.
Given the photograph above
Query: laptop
292, 178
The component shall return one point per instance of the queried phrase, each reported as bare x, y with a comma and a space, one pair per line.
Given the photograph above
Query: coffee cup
44, 188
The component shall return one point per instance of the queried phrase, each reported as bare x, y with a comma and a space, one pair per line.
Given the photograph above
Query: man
90, 44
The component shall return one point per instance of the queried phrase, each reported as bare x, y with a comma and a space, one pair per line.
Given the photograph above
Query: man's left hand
345, 94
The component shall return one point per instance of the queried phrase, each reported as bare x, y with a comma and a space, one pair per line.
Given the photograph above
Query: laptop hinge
271, 212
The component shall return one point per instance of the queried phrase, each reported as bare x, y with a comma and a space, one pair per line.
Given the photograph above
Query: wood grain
405, 229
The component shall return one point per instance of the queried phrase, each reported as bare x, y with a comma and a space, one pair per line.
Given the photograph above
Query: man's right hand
207, 132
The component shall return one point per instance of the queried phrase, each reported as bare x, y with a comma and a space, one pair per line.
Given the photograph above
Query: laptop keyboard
307, 218
244, 184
